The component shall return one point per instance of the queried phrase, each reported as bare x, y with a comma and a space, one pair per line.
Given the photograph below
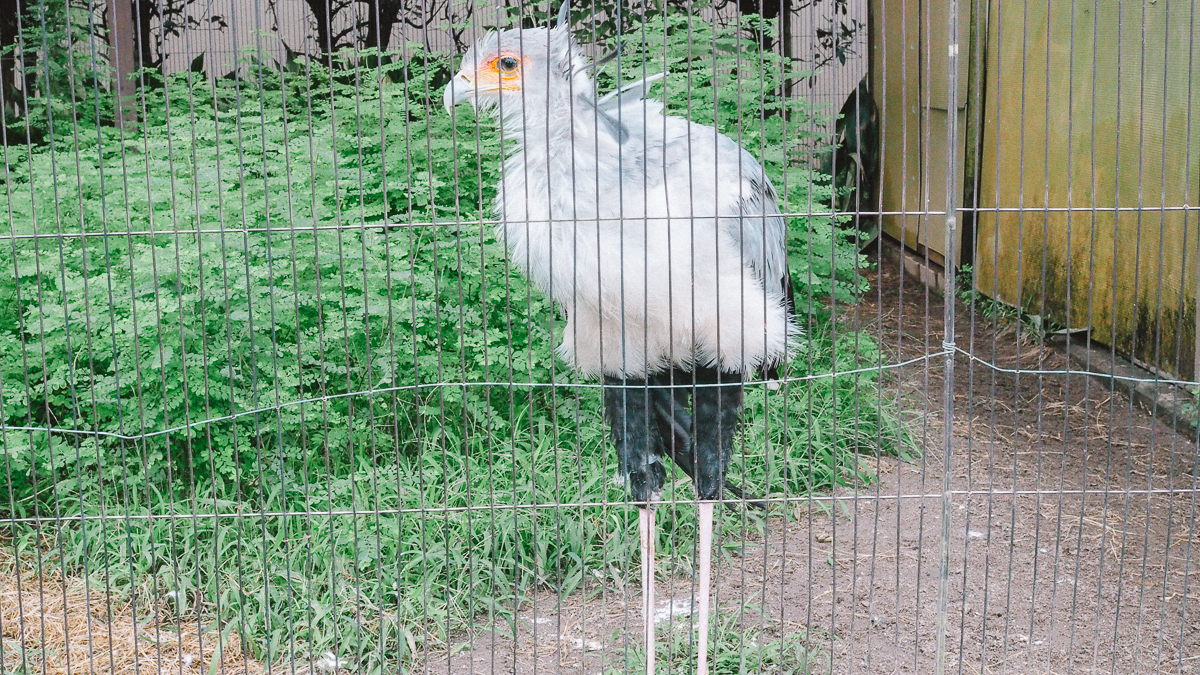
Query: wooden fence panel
1093, 108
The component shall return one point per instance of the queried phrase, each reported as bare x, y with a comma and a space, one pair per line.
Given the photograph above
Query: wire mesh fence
357, 338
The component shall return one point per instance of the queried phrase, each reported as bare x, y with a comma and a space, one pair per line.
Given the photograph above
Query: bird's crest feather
564, 16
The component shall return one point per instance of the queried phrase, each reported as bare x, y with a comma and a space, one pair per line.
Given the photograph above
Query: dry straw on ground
55, 626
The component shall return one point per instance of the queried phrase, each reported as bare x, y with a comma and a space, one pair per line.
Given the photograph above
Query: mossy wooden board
1094, 107
910, 77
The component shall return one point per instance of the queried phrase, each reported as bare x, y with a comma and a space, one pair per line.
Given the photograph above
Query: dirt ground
1073, 548
55, 626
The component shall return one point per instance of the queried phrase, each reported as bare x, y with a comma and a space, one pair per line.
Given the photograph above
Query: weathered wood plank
1095, 108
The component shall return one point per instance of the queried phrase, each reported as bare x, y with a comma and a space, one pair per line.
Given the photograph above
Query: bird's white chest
557, 211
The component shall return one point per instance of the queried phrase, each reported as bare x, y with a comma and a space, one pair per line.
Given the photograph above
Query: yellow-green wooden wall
1088, 153
1093, 107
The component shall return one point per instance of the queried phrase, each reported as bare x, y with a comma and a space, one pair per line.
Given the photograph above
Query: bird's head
520, 70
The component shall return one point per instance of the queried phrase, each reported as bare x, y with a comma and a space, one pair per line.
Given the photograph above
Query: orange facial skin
500, 72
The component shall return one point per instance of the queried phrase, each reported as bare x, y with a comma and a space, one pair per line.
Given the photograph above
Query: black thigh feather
677, 426
628, 408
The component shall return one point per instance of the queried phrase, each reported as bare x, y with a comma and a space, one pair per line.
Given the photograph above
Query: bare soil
55, 625
1073, 546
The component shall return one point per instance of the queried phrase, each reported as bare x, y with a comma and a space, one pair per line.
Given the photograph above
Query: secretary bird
661, 241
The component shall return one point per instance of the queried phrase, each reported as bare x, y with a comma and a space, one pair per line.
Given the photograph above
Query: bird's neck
569, 137
552, 122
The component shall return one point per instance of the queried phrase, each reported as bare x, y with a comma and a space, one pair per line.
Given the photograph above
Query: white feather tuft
643, 83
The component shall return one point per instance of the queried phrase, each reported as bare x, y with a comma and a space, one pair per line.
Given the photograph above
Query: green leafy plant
1028, 324
734, 650
60, 57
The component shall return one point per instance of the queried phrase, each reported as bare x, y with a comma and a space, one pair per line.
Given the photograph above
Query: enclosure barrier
347, 337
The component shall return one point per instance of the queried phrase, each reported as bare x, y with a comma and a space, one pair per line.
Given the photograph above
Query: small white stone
675, 607
974, 534
330, 662
179, 598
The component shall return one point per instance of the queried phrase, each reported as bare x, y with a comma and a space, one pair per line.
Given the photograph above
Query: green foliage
734, 650
1029, 325
808, 437
61, 58
600, 20
277, 299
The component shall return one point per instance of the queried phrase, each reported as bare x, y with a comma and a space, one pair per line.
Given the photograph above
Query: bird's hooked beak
460, 89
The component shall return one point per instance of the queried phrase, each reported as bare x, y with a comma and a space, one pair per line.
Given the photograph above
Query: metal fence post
948, 346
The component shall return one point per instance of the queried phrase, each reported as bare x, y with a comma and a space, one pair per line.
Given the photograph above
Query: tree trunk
122, 33
769, 9
383, 15
10, 10
146, 11
321, 13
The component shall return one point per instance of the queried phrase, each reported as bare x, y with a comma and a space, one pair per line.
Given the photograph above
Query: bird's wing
749, 211
759, 226
635, 114
757, 223
746, 202
761, 229
634, 123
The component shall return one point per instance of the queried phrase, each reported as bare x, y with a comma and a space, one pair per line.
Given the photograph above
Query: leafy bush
276, 324
60, 61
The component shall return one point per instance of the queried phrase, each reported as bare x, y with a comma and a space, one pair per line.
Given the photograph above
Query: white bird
661, 241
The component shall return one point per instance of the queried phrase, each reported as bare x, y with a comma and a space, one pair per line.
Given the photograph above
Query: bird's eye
508, 64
